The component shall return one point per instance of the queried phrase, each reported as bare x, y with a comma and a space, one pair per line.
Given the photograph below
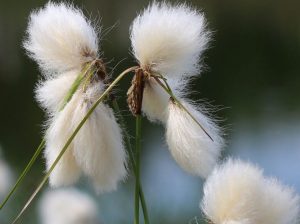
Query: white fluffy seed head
68, 206
51, 93
170, 39
60, 38
237, 192
98, 147
231, 193
67, 171
281, 204
193, 150
97, 150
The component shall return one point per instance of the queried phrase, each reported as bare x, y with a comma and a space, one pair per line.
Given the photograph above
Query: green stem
131, 157
137, 167
25, 171
91, 110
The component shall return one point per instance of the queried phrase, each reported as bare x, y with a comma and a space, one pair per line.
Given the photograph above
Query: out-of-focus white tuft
6, 176
68, 206
60, 38
232, 193
281, 204
239, 222
193, 150
237, 192
98, 147
170, 39
51, 93
61, 127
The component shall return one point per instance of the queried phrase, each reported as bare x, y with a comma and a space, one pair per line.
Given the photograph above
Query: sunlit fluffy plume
51, 93
169, 39
68, 206
97, 149
61, 127
190, 146
282, 205
237, 192
60, 38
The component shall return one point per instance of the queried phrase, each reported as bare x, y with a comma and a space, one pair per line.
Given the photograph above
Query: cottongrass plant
82, 135
63, 42
168, 43
68, 206
237, 192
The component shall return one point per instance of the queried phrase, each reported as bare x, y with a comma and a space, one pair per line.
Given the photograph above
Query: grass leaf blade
24, 173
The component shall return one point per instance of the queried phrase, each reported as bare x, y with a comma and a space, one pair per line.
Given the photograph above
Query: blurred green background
253, 72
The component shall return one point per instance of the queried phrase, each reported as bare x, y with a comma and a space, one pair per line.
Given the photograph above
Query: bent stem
25, 171
88, 114
131, 157
137, 167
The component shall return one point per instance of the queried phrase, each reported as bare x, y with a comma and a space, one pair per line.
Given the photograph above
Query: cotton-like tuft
98, 147
68, 206
51, 93
67, 171
282, 204
60, 38
169, 39
238, 193
189, 145
232, 193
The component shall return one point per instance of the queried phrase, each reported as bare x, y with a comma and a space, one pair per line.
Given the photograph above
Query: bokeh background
253, 73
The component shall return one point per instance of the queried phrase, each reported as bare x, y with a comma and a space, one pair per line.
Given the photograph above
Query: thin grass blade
137, 168
25, 171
